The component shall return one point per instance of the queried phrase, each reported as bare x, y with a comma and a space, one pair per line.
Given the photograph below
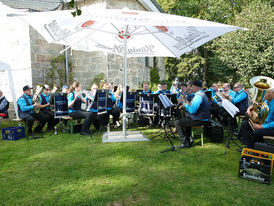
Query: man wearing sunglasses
240, 100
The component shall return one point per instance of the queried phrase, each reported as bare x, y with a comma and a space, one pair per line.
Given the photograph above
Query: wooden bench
201, 128
70, 124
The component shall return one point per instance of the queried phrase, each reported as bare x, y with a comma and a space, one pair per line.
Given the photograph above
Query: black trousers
50, 116
115, 112
88, 116
183, 127
215, 112
249, 137
42, 120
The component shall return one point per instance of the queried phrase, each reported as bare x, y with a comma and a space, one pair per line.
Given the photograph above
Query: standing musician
146, 88
75, 99
247, 135
25, 111
197, 114
45, 111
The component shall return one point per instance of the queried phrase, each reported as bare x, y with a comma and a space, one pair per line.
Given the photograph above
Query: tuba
36, 97
260, 108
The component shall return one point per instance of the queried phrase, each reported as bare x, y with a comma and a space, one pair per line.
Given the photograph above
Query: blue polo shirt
23, 104
269, 122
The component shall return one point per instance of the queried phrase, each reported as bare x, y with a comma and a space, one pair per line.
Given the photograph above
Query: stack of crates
256, 165
13, 133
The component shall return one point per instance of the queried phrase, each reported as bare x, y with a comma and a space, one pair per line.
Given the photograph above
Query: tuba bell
260, 109
36, 97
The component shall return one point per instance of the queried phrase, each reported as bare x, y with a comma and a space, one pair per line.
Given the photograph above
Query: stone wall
89, 64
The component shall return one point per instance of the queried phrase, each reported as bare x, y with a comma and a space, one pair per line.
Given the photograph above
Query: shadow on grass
79, 170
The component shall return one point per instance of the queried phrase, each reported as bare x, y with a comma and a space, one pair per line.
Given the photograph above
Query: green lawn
67, 169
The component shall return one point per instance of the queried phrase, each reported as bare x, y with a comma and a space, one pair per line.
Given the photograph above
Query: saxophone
36, 97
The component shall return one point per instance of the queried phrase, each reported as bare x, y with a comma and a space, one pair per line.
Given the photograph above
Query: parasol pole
125, 83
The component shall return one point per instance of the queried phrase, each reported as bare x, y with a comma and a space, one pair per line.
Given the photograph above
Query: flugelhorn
260, 108
36, 97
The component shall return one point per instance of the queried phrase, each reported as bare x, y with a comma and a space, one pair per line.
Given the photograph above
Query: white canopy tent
6, 67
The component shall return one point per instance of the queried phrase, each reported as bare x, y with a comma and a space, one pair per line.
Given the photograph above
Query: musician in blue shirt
146, 89
197, 113
247, 135
25, 111
240, 99
75, 99
164, 89
45, 111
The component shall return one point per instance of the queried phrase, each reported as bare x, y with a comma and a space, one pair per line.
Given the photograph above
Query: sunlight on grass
78, 170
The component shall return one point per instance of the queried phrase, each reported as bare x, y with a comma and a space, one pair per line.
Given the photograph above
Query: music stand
131, 101
60, 109
232, 111
168, 133
101, 100
146, 106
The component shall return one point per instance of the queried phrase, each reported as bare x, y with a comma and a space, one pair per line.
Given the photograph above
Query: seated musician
65, 89
182, 90
45, 112
174, 89
75, 99
215, 103
189, 94
240, 99
146, 89
25, 111
180, 96
227, 90
248, 137
110, 109
4, 105
164, 89
118, 95
197, 113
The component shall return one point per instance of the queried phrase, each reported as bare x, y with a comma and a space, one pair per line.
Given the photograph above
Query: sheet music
229, 107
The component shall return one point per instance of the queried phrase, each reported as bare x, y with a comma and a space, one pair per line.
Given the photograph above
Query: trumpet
36, 98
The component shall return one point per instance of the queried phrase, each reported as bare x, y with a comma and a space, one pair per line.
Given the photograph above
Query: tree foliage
245, 54
235, 56
57, 73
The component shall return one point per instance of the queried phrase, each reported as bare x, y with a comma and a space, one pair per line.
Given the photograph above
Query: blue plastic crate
13, 133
